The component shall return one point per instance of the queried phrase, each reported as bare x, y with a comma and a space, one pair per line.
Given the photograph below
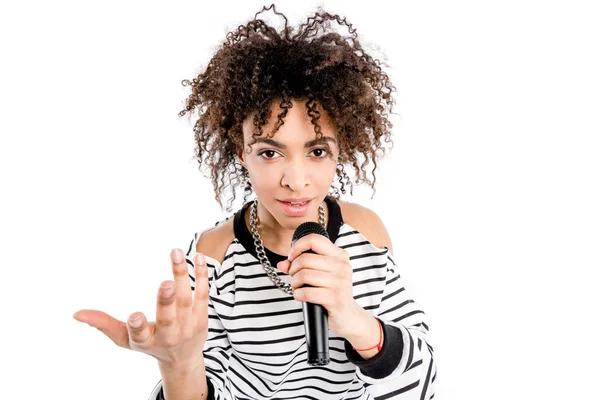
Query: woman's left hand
329, 272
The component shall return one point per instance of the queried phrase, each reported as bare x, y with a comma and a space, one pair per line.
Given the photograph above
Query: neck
272, 232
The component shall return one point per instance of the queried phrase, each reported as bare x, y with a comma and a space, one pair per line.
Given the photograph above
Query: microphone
315, 315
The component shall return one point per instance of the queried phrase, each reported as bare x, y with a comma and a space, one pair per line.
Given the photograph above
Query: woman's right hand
177, 337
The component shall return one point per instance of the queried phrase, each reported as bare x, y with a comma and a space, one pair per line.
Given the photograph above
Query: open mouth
295, 209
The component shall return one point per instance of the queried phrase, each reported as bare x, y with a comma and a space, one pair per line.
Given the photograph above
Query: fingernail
176, 255
200, 258
167, 288
135, 322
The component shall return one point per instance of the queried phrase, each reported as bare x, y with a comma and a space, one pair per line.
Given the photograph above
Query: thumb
283, 266
116, 330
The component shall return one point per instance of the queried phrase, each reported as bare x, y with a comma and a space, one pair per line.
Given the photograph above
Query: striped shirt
256, 345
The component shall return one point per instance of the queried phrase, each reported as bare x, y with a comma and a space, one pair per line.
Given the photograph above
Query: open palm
177, 337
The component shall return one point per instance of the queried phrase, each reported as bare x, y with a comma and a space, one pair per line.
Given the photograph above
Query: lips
295, 203
295, 210
296, 199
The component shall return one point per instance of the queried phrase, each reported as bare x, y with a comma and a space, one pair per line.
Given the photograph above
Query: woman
321, 101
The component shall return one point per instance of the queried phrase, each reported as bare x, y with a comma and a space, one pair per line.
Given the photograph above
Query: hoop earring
342, 177
247, 183
334, 191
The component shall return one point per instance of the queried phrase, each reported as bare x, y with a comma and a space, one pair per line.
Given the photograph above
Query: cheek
264, 180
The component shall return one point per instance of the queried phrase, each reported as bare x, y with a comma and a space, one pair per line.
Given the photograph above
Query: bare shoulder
367, 222
215, 242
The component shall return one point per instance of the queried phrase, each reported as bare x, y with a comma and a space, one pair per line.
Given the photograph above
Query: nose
295, 176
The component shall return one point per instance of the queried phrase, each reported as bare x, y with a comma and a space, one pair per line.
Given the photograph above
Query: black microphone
315, 315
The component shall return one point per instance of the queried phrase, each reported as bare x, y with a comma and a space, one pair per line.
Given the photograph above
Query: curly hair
257, 66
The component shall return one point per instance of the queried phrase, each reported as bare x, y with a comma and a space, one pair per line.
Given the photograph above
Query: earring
247, 183
342, 177
333, 192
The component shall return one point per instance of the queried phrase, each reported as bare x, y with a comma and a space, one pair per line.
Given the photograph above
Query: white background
490, 193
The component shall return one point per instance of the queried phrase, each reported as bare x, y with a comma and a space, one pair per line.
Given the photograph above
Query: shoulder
367, 222
215, 242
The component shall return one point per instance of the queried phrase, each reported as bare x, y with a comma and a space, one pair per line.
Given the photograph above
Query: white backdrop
490, 194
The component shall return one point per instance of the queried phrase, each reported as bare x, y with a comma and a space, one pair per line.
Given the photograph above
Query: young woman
283, 114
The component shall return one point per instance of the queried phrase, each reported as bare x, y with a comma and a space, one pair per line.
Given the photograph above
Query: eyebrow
282, 146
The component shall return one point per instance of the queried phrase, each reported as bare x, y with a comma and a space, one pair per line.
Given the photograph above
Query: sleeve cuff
211, 391
386, 361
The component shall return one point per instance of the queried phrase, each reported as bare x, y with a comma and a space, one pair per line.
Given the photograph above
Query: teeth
296, 204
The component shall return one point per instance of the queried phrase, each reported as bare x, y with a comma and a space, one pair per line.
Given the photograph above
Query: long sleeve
217, 348
405, 368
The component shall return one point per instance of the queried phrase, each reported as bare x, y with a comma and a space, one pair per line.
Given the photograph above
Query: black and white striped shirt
256, 346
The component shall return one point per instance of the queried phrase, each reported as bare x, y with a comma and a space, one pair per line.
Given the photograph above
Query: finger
200, 310
315, 295
139, 332
166, 309
315, 242
183, 290
113, 328
312, 261
312, 277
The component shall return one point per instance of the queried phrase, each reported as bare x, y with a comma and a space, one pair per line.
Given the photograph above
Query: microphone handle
317, 331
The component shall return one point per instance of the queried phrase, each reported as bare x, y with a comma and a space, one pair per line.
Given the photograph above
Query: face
290, 166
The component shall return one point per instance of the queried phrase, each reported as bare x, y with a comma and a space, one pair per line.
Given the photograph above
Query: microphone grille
306, 228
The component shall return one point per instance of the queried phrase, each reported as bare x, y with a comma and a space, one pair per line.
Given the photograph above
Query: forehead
296, 123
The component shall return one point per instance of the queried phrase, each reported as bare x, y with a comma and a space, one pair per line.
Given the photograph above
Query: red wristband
378, 345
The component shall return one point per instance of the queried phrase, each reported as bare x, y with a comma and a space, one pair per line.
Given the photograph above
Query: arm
406, 361
209, 379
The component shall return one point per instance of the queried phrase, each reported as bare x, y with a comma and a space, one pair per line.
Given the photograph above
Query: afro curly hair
257, 66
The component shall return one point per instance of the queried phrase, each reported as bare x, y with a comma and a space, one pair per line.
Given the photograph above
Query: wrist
368, 341
172, 369
184, 381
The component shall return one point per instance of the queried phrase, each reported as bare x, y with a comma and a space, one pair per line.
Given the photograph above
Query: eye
265, 152
323, 153
323, 150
